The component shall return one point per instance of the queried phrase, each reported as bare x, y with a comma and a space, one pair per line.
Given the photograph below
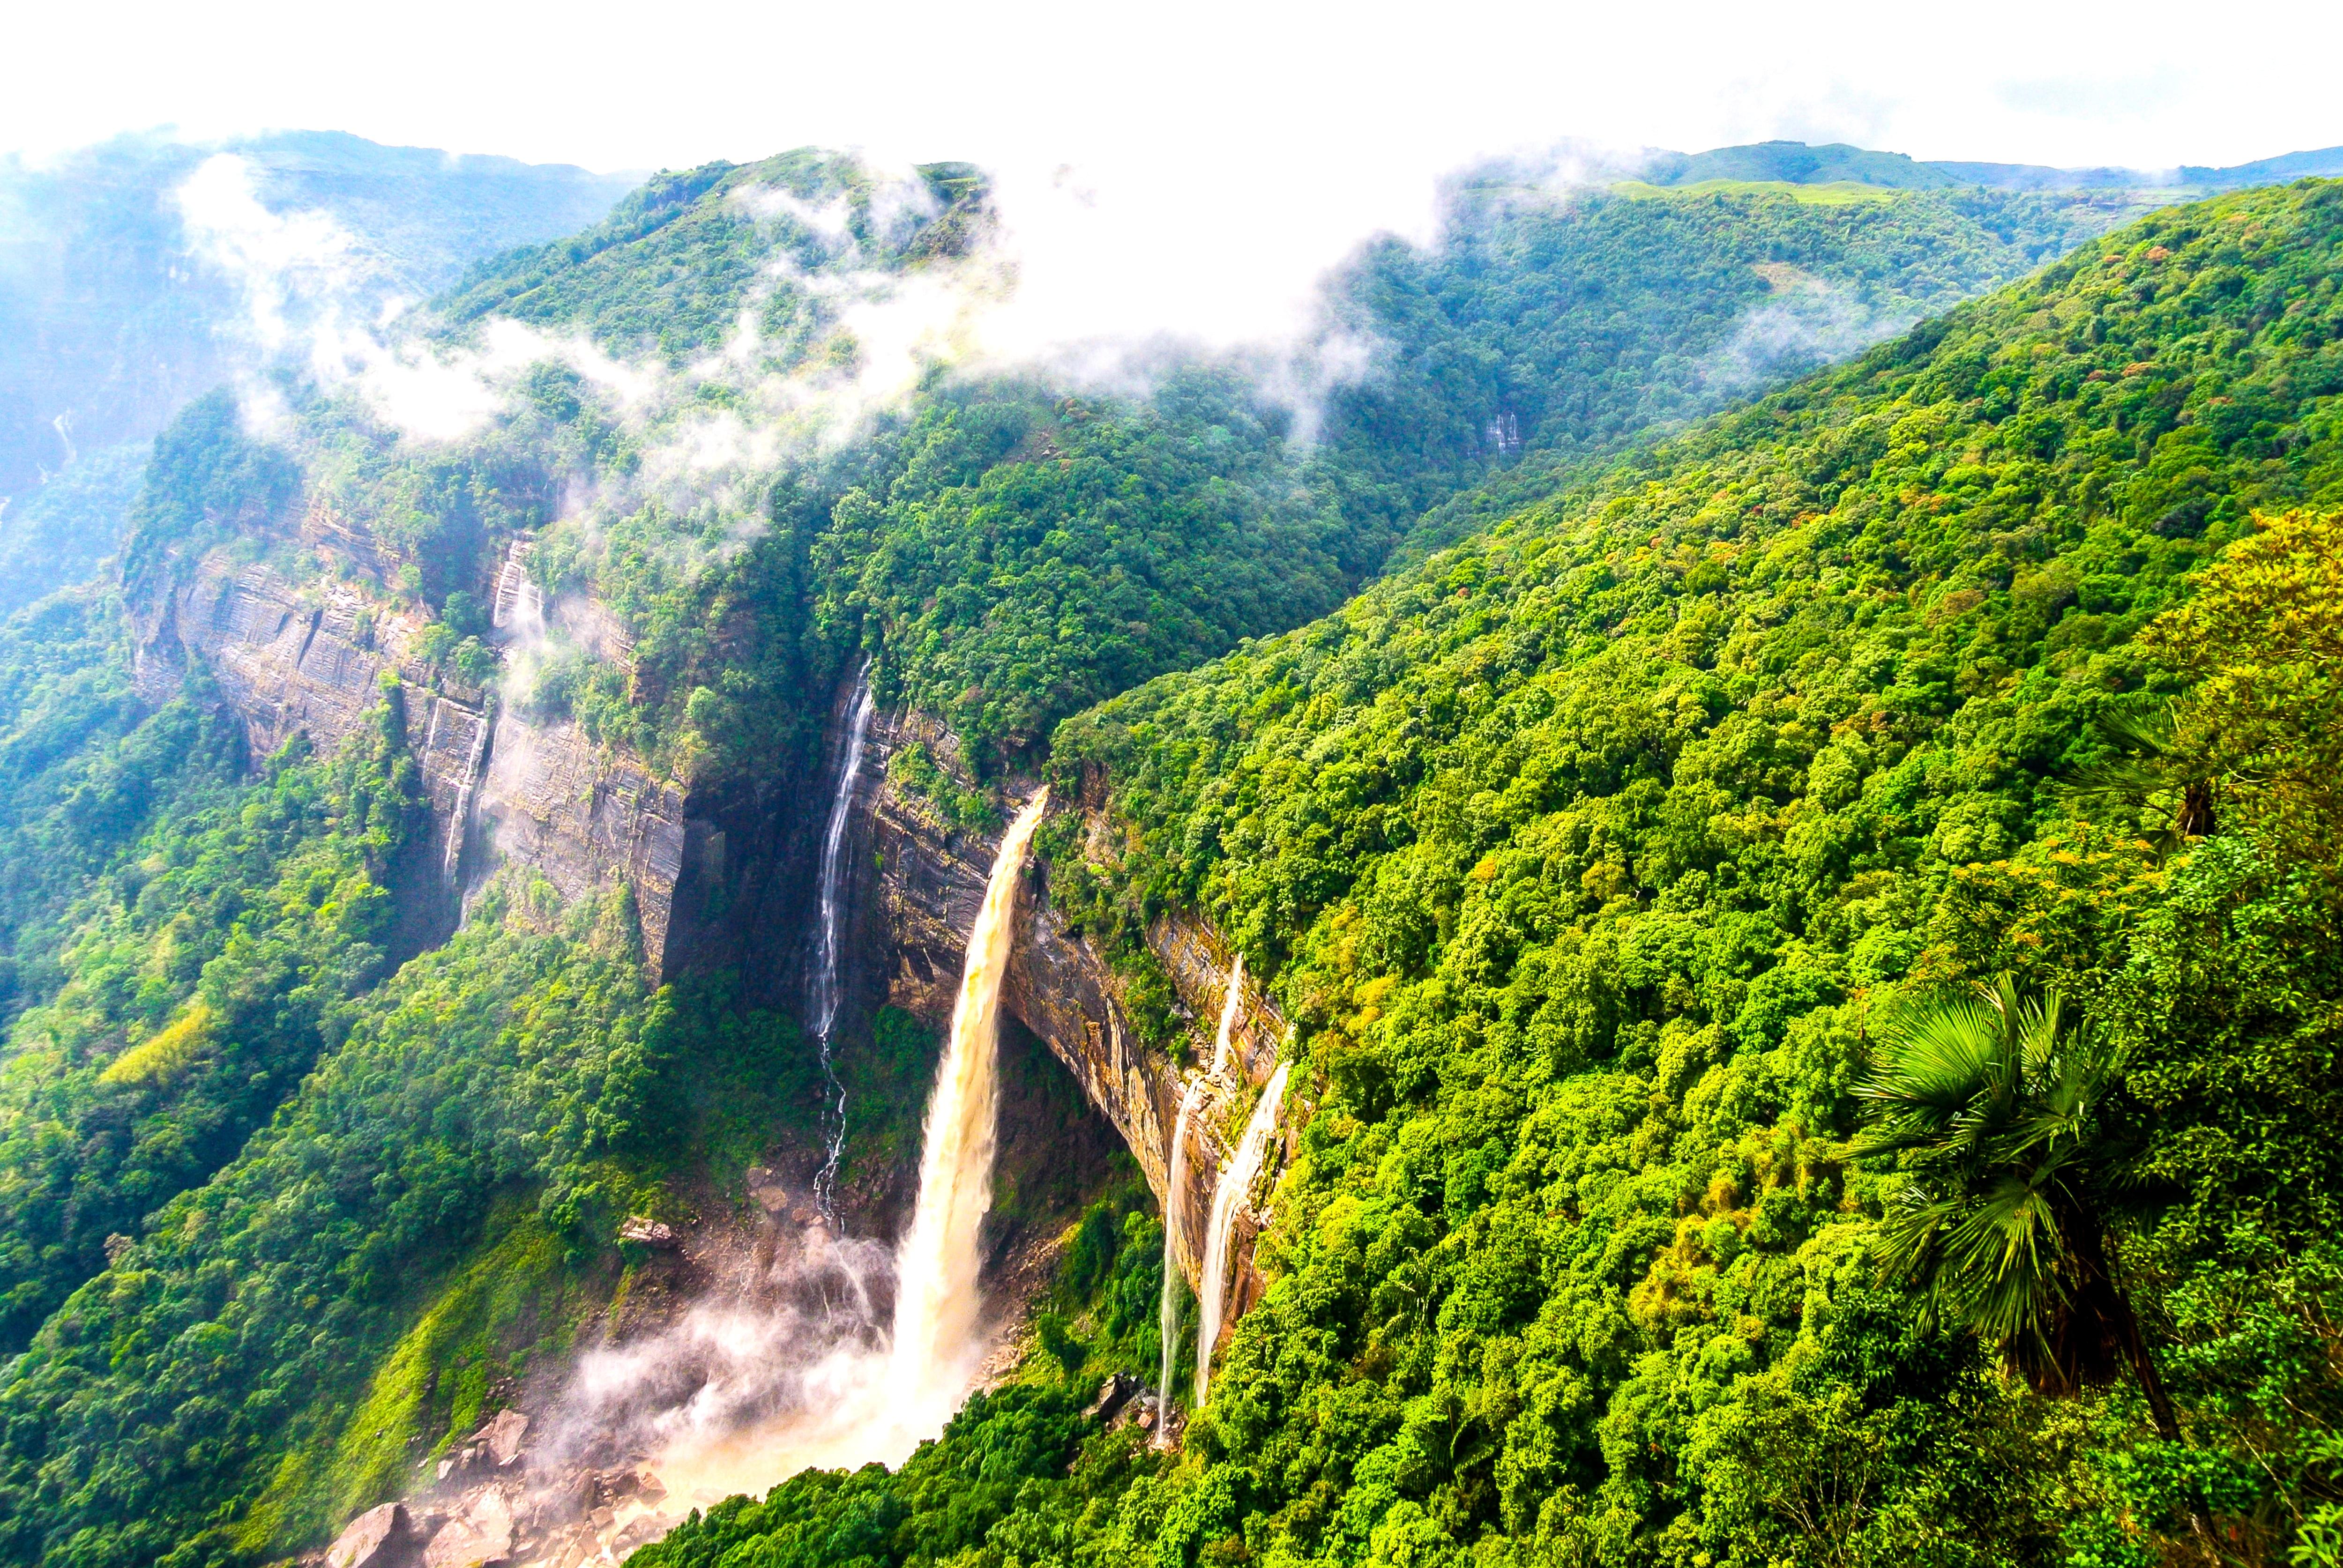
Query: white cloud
292, 268
1230, 151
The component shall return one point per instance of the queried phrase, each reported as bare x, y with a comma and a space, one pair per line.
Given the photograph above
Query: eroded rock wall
309, 658
931, 880
581, 816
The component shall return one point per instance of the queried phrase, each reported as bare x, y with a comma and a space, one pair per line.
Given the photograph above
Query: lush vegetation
1589, 855
1012, 558
80, 776
436, 1205
1012, 555
673, 266
56, 536
207, 971
1553, 325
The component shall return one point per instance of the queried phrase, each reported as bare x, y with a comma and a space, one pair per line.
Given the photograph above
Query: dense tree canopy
1582, 852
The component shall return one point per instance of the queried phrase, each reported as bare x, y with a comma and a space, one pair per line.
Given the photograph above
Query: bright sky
1236, 137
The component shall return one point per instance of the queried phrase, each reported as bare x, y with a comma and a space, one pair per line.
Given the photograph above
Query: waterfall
1228, 1006
830, 954
936, 1288
1175, 1178
460, 820
1236, 1186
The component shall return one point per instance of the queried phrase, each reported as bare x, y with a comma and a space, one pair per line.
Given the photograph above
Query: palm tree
2003, 1116
2151, 770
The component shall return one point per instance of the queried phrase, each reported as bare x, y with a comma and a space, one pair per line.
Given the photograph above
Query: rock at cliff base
480, 1533
639, 1531
502, 1437
375, 1539
1114, 1399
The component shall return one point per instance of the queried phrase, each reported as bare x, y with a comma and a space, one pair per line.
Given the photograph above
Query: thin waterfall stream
1175, 1178
1231, 1002
1235, 1188
829, 949
1168, 1314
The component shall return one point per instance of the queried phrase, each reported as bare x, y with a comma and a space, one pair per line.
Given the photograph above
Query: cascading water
752, 1387
459, 821
1230, 1004
936, 1270
1168, 1318
830, 952
1175, 1181
1235, 1185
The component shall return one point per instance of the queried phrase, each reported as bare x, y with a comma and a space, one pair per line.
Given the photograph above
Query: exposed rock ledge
930, 881
309, 658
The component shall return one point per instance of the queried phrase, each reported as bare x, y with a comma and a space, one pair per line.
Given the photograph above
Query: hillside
1533, 326
1797, 163
118, 307
1587, 855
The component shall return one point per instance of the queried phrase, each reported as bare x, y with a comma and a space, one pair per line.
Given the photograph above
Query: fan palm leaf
1992, 1103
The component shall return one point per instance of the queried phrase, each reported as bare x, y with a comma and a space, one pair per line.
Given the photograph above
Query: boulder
378, 1538
502, 1437
560, 1504
649, 1232
480, 1533
640, 1531
464, 1462
1114, 1398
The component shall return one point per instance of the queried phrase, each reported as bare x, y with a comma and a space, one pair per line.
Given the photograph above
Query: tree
2261, 643
2150, 770
2002, 1115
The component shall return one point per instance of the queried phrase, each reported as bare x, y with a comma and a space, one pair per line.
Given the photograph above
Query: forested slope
1593, 856
1011, 550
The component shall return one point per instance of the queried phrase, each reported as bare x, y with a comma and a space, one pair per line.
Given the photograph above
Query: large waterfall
1236, 1186
829, 946
738, 1395
935, 1271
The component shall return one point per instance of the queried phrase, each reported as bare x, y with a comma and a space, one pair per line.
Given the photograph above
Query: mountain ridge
1801, 163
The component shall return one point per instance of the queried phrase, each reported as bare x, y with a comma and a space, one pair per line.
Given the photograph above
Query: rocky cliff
311, 657
721, 880
928, 879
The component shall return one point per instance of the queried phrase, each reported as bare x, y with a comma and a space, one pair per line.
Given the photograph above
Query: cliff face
294, 658
582, 819
928, 881
721, 880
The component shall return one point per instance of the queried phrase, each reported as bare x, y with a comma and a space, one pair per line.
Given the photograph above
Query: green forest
1780, 755
1615, 863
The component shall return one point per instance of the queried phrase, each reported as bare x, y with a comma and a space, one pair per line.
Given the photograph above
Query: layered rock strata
311, 658
931, 880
